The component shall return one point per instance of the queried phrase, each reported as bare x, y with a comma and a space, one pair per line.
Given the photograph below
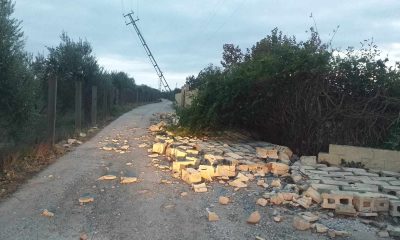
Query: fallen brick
277, 199
225, 170
191, 175
279, 168
200, 188
237, 183
128, 180
266, 153
207, 172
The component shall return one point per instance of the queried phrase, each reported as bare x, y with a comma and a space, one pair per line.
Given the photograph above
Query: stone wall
185, 97
372, 158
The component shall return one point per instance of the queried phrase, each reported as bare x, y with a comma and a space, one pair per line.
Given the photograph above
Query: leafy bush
301, 94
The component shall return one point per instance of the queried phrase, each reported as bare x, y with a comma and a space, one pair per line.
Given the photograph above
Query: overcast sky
185, 36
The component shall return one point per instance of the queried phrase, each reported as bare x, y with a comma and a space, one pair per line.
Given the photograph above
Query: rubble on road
307, 185
47, 213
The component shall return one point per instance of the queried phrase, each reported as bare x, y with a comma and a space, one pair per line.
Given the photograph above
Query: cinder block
324, 188
331, 200
394, 209
391, 190
370, 202
334, 182
332, 159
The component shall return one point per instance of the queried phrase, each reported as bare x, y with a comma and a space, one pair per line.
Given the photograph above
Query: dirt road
143, 210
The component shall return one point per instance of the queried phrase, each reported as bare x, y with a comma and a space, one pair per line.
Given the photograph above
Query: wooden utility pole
78, 106
51, 109
94, 106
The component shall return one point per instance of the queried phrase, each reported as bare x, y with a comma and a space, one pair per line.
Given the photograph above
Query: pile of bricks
347, 191
353, 191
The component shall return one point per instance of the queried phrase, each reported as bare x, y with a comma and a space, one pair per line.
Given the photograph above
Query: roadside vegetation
24, 90
302, 94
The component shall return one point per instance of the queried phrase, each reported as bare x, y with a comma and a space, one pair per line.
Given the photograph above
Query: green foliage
24, 86
17, 91
301, 94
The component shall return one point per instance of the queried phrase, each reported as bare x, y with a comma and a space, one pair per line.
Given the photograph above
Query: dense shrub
301, 94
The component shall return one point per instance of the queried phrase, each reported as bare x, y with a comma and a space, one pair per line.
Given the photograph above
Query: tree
17, 90
231, 56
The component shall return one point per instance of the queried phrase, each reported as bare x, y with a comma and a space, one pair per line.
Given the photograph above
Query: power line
148, 52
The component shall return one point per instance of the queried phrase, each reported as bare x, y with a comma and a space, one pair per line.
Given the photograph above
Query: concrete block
394, 209
333, 182
331, 200
394, 183
391, 190
390, 174
370, 202
331, 169
324, 188
308, 160
332, 159
361, 188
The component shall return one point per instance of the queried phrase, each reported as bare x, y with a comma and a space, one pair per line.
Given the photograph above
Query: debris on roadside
307, 185
47, 213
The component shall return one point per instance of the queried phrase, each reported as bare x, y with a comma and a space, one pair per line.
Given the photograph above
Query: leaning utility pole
149, 54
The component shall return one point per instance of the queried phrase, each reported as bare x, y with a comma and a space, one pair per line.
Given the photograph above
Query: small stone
254, 218
309, 217
319, 228
47, 213
212, 217
184, 194
278, 218
223, 200
275, 213
83, 236
300, 224
262, 202
276, 183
